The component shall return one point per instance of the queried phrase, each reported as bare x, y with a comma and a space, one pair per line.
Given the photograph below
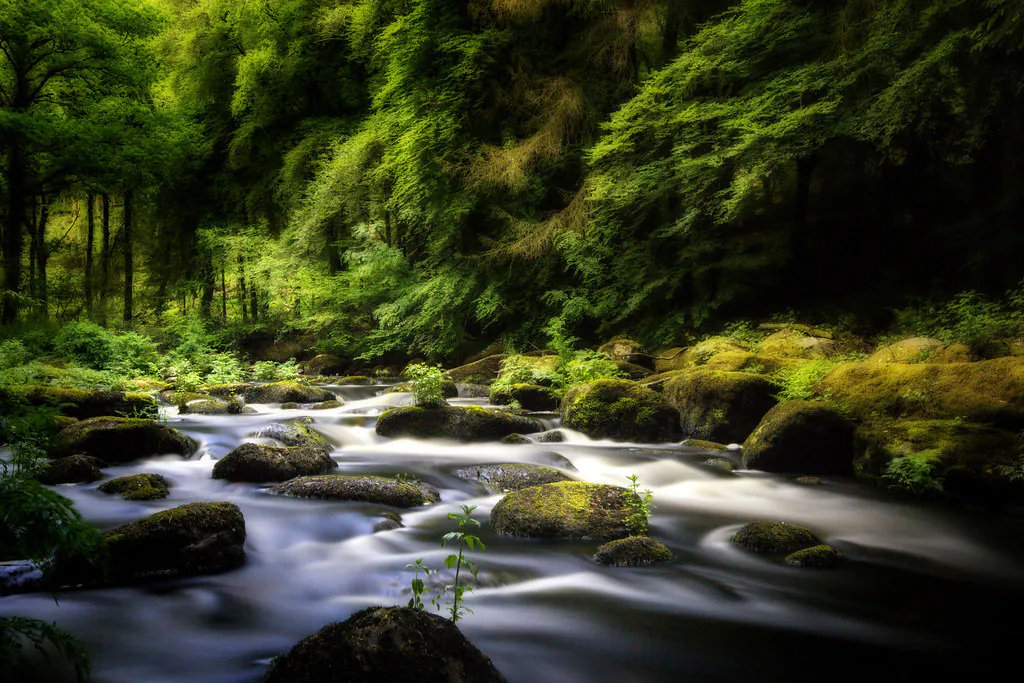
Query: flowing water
923, 590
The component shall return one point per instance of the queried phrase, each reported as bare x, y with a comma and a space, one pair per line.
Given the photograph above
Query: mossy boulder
473, 390
774, 538
816, 557
121, 439
722, 465
632, 370
529, 396
81, 403
464, 423
796, 344
326, 364
987, 391
511, 476
702, 352
382, 644
620, 410
704, 445
719, 406
551, 436
356, 380
294, 432
804, 437
74, 469
516, 440
138, 487
634, 551
921, 350
483, 371
670, 359
212, 406
327, 405
364, 488
228, 390
253, 462
628, 351
568, 509
173, 397
286, 392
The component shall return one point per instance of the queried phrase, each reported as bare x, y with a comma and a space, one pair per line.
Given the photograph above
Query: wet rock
473, 390
808, 481
259, 463
391, 521
327, 405
483, 371
464, 423
817, 556
620, 410
634, 551
20, 576
228, 390
363, 488
551, 436
529, 396
705, 445
326, 364
448, 388
516, 440
803, 437
511, 476
719, 406
570, 509
294, 432
381, 644
719, 465
121, 439
774, 538
138, 487
74, 469
210, 406
628, 351
81, 403
286, 392
291, 405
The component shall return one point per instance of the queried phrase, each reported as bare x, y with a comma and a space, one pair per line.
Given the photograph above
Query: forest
738, 273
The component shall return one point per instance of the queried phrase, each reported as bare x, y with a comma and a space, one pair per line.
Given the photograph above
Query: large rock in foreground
253, 462
81, 403
802, 437
286, 392
511, 476
570, 509
121, 439
465, 423
384, 644
620, 410
363, 488
720, 406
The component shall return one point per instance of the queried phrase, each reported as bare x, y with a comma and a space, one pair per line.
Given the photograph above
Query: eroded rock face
511, 476
634, 551
385, 644
465, 423
259, 463
620, 410
570, 509
364, 488
801, 437
121, 439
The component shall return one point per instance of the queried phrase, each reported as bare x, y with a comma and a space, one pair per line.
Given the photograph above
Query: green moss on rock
448, 388
719, 406
286, 392
635, 551
294, 432
511, 476
326, 364
705, 445
774, 538
252, 462
210, 406
719, 465
805, 437
529, 396
516, 440
138, 487
120, 439
621, 410
74, 469
817, 557
483, 371
796, 344
629, 352
327, 405
570, 509
364, 488
81, 403
464, 423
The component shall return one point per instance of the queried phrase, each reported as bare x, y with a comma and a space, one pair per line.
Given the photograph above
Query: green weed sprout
460, 561
418, 587
640, 502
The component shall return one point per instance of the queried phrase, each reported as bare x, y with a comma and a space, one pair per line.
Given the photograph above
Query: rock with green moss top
817, 557
634, 551
774, 538
483, 371
381, 644
628, 351
921, 350
172, 397
516, 440
121, 439
620, 410
356, 380
81, 403
211, 406
511, 476
294, 432
568, 509
286, 392
473, 390
719, 465
808, 481
138, 487
228, 390
326, 364
327, 405
364, 488
390, 521
797, 344
802, 437
719, 406
632, 370
74, 469
529, 396
253, 462
702, 352
703, 445
190, 540
464, 423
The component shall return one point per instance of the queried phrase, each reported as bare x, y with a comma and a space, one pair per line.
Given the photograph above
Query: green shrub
797, 382
588, 366
133, 355
969, 318
86, 343
13, 353
428, 383
269, 371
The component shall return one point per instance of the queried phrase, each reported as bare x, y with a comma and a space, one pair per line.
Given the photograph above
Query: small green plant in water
640, 502
428, 383
459, 562
418, 586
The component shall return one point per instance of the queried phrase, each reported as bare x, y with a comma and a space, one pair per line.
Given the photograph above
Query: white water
921, 585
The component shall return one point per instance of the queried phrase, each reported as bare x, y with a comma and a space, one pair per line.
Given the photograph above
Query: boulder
448, 388
285, 392
568, 509
704, 445
719, 406
803, 437
294, 432
796, 344
253, 462
327, 405
669, 360
510, 476
326, 364
774, 538
529, 396
228, 390
620, 410
364, 488
381, 644
483, 371
121, 439
355, 381
81, 403
628, 351
74, 469
632, 370
464, 423
551, 436
138, 487
473, 390
817, 557
723, 465
920, 350
634, 551
212, 406
702, 352
516, 440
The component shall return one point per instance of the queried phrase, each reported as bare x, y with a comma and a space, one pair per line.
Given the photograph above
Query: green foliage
428, 383
798, 381
17, 632
133, 355
27, 432
969, 318
86, 343
588, 366
12, 354
641, 506
269, 371
459, 562
417, 585
914, 473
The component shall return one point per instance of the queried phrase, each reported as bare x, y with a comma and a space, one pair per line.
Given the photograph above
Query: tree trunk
223, 295
15, 172
254, 311
89, 237
104, 254
209, 284
241, 288
42, 255
128, 261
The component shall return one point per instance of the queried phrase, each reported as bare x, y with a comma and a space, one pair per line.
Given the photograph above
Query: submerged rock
569, 509
719, 465
121, 439
774, 538
705, 445
74, 469
389, 522
620, 410
804, 437
634, 551
465, 423
253, 462
138, 487
294, 432
817, 556
364, 488
327, 405
511, 476
719, 406
516, 440
529, 396
383, 644
286, 392
551, 436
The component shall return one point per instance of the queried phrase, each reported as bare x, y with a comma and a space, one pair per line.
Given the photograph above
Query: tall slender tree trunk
90, 216
15, 219
254, 300
104, 254
209, 284
241, 288
128, 254
223, 294
42, 256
